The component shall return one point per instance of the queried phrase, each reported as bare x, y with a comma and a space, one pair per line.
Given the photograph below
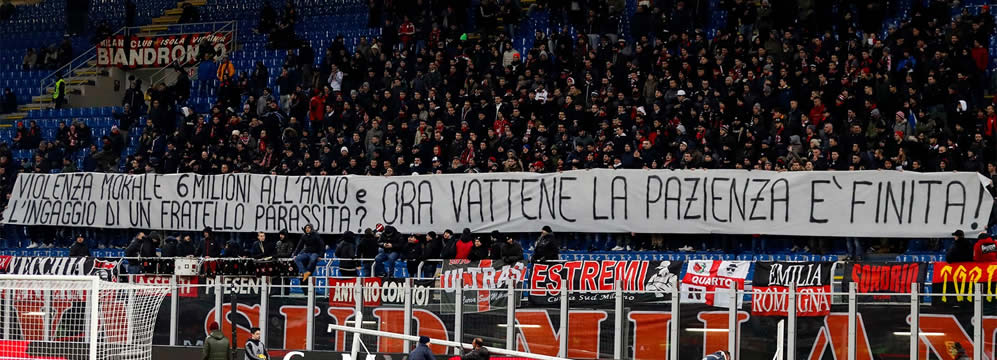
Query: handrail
91, 53
51, 78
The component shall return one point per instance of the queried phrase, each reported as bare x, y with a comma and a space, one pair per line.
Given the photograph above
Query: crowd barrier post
264, 307
310, 317
458, 319
510, 316
618, 320
852, 305
407, 322
562, 350
174, 305
676, 326
732, 322
915, 317
978, 322
219, 294
790, 353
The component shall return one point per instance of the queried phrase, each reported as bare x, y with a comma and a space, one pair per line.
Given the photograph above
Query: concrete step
13, 116
173, 12
153, 28
168, 19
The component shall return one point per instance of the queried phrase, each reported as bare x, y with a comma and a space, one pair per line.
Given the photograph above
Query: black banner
70, 266
477, 275
592, 282
885, 278
770, 288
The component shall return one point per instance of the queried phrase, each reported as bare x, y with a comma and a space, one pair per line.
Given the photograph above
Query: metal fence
603, 324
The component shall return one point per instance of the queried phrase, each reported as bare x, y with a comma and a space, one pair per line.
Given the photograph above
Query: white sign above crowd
856, 203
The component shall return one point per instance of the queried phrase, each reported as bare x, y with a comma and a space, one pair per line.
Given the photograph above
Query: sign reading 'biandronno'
860, 203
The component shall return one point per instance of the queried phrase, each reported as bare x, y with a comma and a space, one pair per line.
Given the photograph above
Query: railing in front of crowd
675, 320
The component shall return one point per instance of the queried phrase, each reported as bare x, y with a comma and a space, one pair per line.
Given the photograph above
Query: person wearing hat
547, 247
79, 248
961, 250
422, 351
216, 345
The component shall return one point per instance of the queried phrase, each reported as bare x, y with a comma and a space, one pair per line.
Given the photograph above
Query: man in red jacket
985, 249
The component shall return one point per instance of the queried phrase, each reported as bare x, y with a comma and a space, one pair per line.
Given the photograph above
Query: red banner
157, 51
959, 279
704, 278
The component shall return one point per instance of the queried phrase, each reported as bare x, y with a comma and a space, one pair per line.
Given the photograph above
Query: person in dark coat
79, 247
479, 251
233, 248
480, 352
449, 250
391, 246
187, 248
309, 249
346, 252
212, 247
142, 246
495, 245
961, 250
413, 254
512, 251
367, 248
421, 351
547, 248
431, 251
261, 248
285, 245
169, 248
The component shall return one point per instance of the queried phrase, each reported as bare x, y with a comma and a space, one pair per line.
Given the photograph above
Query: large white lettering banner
860, 203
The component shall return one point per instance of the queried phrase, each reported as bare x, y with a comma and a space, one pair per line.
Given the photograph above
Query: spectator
479, 251
422, 351
432, 250
547, 247
30, 61
391, 244
308, 251
512, 252
346, 252
478, 352
212, 247
461, 248
142, 246
961, 250
79, 248
187, 248
216, 345
414, 250
170, 247
9, 102
285, 246
985, 249
189, 14
261, 248
7, 10
134, 98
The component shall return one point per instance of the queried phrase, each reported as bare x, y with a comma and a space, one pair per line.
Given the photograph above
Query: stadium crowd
781, 88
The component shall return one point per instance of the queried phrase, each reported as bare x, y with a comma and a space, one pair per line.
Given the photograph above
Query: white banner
860, 203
